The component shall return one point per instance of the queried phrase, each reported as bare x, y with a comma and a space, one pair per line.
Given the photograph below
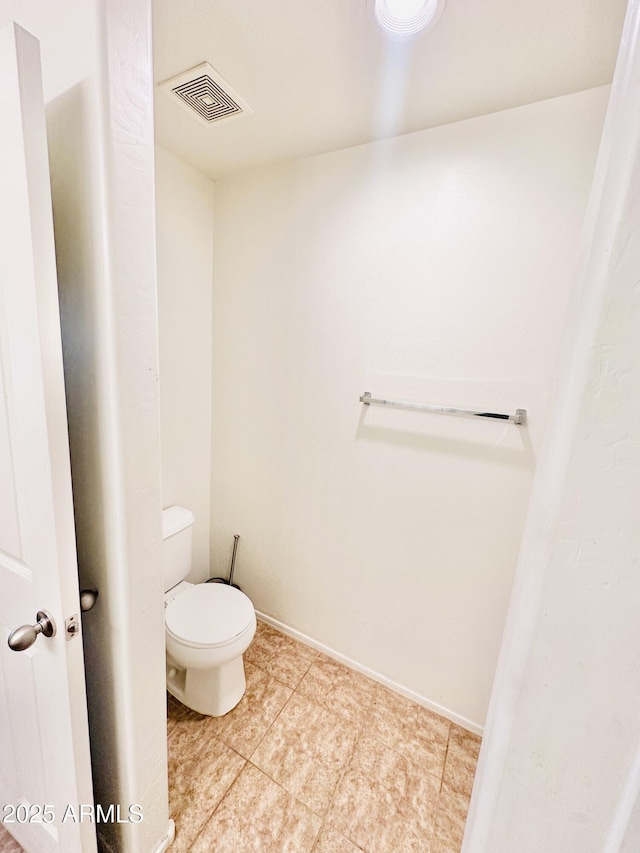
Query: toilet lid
209, 614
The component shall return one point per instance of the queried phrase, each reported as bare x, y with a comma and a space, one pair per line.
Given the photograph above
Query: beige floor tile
188, 720
201, 771
330, 841
450, 821
305, 751
385, 802
438, 845
8, 844
462, 757
258, 816
338, 688
282, 657
409, 729
414, 791
245, 725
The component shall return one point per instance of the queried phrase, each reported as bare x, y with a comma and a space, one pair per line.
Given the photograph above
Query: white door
45, 773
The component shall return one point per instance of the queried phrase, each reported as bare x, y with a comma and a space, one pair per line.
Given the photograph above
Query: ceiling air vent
203, 92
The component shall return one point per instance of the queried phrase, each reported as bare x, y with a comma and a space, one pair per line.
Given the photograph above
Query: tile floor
317, 757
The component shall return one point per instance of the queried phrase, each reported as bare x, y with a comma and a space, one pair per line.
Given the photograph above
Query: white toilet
208, 627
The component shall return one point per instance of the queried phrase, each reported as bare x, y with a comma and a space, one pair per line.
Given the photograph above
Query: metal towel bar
519, 418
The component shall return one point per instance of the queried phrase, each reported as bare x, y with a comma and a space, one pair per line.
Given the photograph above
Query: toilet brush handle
233, 558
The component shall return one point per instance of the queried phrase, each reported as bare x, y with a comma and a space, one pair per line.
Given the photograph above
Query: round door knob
25, 636
88, 598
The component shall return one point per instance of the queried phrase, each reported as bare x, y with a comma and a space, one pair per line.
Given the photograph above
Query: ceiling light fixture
406, 18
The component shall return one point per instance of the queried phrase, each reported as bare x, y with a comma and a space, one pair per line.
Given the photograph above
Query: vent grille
207, 98
203, 91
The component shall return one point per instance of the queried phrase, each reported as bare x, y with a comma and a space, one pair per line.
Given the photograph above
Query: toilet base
213, 692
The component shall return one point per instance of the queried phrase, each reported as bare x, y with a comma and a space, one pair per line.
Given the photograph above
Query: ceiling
320, 76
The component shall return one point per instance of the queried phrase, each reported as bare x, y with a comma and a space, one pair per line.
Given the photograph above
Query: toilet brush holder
229, 581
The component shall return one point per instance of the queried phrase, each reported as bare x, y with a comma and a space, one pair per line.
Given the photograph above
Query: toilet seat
208, 615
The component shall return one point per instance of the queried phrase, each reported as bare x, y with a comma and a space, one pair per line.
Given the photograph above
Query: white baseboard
381, 679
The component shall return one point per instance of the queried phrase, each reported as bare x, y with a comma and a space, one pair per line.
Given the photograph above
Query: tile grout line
337, 716
407, 758
435, 776
325, 819
436, 814
361, 733
446, 755
293, 691
222, 799
272, 723
212, 735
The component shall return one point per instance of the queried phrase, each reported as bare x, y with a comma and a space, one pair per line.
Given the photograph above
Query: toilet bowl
208, 627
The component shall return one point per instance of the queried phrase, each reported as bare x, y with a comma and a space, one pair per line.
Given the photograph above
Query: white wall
560, 763
432, 267
184, 225
96, 66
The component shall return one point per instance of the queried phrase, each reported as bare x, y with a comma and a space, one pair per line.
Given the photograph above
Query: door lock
72, 627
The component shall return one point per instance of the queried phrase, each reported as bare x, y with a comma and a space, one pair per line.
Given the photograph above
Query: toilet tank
177, 529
